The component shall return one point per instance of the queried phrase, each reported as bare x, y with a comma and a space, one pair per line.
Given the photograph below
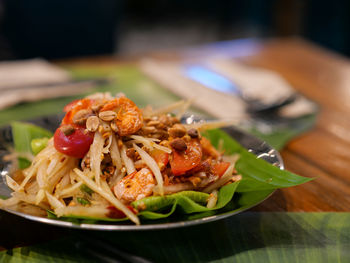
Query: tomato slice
204, 166
73, 108
161, 158
113, 212
220, 168
76, 144
181, 162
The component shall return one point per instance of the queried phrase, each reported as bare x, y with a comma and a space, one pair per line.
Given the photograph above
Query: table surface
322, 152
322, 76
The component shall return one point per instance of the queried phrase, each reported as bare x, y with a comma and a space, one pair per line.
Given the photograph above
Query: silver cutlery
216, 81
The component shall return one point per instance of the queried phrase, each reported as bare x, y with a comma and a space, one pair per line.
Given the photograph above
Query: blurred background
61, 29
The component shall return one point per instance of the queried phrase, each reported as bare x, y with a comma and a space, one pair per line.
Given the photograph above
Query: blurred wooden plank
328, 154
323, 152
325, 193
335, 124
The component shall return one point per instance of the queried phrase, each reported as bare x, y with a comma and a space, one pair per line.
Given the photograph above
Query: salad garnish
110, 159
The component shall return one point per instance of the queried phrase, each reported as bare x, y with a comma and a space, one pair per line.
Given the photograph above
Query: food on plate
109, 159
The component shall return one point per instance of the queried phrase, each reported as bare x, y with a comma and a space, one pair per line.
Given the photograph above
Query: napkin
255, 83
35, 79
32, 72
264, 85
171, 77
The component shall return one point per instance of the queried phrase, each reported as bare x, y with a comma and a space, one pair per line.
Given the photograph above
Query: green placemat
143, 91
247, 237
128, 80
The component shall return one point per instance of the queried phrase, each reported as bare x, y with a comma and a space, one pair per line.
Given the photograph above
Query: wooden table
323, 152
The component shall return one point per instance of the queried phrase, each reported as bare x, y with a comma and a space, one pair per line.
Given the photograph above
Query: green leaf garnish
259, 180
186, 202
77, 219
23, 134
84, 188
38, 144
83, 201
257, 174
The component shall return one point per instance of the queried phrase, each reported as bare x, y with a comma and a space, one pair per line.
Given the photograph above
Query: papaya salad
108, 154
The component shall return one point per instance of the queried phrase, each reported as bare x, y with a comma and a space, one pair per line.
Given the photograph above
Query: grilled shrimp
135, 186
129, 117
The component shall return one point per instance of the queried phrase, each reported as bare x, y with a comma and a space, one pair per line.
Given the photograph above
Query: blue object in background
211, 79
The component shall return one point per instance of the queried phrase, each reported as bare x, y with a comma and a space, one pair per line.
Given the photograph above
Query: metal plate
254, 145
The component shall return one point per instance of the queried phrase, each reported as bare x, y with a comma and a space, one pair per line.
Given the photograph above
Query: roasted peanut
131, 153
97, 106
146, 118
164, 119
81, 116
153, 123
92, 123
178, 144
107, 115
148, 130
177, 131
173, 120
114, 126
193, 133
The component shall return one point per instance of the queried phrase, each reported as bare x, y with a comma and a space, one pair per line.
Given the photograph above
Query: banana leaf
23, 134
256, 173
259, 179
158, 207
247, 237
187, 202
